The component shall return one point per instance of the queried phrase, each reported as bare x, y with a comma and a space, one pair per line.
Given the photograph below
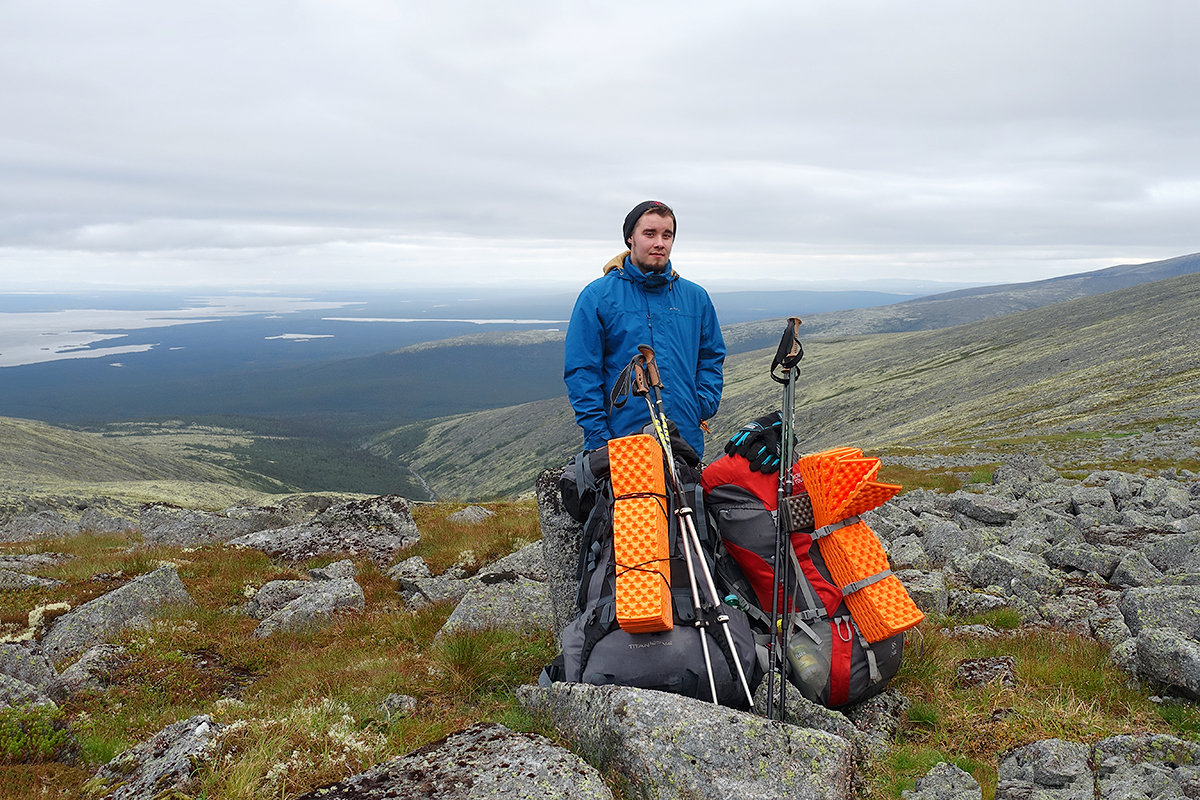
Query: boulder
1083, 557
96, 520
1175, 554
1094, 504
38, 525
160, 766
518, 603
398, 705
188, 527
927, 589
19, 581
528, 562
343, 569
1025, 470
376, 528
1134, 569
971, 632
1017, 573
1107, 624
273, 596
15, 692
484, 760
879, 717
999, 670
944, 541
1052, 769
1150, 766
1070, 612
561, 537
1162, 607
963, 603
317, 605
93, 670
906, 552
985, 508
471, 515
945, 782
31, 562
1171, 658
419, 587
804, 713
890, 521
677, 748
106, 615
31, 676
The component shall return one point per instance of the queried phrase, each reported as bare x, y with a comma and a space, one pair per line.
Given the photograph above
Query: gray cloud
368, 142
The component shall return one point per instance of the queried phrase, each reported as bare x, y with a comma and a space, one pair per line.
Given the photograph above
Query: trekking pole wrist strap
789, 353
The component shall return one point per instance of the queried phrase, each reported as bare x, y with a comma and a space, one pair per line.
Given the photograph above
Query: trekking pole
640, 385
787, 357
691, 539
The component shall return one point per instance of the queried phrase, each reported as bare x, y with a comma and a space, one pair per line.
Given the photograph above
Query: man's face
650, 244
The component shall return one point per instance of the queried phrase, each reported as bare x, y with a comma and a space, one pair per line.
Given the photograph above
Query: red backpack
830, 661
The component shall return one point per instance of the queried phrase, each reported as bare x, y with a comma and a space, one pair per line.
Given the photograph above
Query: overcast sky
265, 143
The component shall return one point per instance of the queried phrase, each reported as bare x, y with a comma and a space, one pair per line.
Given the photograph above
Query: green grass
940, 480
304, 708
445, 543
1067, 688
1004, 619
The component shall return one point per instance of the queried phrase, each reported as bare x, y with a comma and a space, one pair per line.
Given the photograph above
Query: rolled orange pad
641, 534
841, 484
882, 609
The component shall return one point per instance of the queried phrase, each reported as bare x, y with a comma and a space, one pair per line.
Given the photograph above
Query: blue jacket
627, 308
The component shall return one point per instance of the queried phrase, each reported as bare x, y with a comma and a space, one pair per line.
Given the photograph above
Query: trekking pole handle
651, 365
790, 351
637, 380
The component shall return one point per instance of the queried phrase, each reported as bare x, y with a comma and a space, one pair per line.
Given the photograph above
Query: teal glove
758, 443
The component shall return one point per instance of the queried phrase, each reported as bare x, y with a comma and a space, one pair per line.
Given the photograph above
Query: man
642, 300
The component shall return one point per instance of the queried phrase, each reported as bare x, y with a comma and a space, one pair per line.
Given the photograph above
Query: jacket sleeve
710, 362
583, 371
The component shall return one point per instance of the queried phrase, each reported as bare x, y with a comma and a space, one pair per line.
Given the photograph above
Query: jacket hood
615, 262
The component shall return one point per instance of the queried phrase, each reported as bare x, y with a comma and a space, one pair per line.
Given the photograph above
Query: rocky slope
1112, 556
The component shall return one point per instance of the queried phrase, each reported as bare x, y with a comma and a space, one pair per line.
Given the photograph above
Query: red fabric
839, 667
757, 571
736, 470
831, 595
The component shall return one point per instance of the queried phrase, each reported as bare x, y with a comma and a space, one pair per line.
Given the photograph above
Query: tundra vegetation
305, 709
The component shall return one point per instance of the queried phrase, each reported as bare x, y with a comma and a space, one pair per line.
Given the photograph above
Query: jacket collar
647, 280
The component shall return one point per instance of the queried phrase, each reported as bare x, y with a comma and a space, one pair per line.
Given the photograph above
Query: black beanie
633, 216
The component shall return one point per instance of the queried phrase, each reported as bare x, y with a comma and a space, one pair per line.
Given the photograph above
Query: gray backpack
596, 650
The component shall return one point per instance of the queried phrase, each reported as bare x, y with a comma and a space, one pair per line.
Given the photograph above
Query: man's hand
758, 443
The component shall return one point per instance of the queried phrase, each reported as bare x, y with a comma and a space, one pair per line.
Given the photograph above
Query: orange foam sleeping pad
841, 484
641, 543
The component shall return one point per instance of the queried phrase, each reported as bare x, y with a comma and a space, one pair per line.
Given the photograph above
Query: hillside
1118, 362
962, 306
207, 466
